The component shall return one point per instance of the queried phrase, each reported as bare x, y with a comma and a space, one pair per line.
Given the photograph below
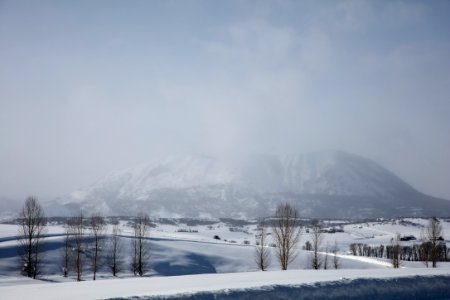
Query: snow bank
374, 284
432, 287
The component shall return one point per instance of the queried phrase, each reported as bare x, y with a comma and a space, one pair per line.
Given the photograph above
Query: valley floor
225, 268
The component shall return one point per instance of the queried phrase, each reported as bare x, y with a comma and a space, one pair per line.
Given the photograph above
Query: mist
90, 87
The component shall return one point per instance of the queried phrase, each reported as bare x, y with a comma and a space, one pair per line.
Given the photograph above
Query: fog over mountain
331, 184
88, 87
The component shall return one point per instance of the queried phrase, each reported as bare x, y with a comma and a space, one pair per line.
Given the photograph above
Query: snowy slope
320, 184
341, 174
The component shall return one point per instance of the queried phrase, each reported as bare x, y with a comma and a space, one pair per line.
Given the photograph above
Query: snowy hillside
341, 174
320, 184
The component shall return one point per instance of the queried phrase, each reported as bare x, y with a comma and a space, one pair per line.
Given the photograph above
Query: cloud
362, 76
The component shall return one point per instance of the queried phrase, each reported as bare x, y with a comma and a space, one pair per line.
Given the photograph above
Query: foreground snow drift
298, 284
431, 287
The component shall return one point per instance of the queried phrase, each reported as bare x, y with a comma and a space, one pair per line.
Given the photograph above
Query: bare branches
262, 252
433, 232
66, 254
317, 239
76, 226
334, 250
98, 226
395, 244
286, 232
325, 260
140, 245
115, 251
32, 226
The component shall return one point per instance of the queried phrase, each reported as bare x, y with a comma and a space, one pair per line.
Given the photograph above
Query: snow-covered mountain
319, 184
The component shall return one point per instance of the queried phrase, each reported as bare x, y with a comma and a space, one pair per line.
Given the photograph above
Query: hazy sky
88, 87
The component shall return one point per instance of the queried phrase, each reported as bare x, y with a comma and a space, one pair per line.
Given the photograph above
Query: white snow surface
124, 288
181, 249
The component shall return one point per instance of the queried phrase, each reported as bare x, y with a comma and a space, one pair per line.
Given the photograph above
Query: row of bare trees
286, 235
317, 259
286, 232
85, 241
80, 247
76, 246
431, 249
140, 245
285, 229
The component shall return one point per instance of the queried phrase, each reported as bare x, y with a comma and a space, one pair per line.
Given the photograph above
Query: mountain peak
196, 185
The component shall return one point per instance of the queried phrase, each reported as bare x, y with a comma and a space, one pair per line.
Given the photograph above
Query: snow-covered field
179, 248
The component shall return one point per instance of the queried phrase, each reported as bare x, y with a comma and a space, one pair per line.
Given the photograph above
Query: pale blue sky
87, 87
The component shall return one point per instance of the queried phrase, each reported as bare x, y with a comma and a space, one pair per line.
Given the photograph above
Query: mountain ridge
320, 184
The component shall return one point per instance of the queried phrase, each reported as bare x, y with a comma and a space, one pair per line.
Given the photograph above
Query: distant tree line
431, 249
416, 252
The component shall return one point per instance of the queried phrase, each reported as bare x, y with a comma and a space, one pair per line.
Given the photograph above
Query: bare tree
395, 255
307, 246
360, 247
141, 245
98, 226
325, 260
134, 246
286, 232
317, 239
115, 251
334, 250
32, 225
77, 233
424, 247
262, 251
66, 255
433, 232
